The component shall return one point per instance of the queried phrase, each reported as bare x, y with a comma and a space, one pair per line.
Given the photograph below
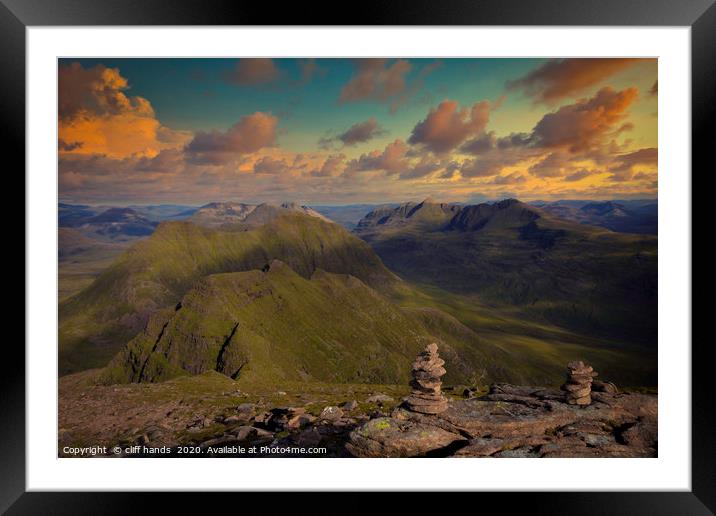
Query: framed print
260, 262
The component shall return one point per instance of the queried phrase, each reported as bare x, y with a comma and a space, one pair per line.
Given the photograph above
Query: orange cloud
97, 117
333, 165
249, 134
560, 78
269, 165
447, 126
580, 125
391, 160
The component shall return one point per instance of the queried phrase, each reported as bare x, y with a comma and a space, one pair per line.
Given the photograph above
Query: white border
670, 471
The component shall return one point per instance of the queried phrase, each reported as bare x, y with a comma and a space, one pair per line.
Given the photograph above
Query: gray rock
379, 399
331, 413
350, 405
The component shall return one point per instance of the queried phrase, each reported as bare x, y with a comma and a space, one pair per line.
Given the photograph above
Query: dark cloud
424, 167
355, 134
480, 145
251, 133
560, 78
553, 165
68, 146
580, 125
509, 179
169, 160
622, 167
332, 166
391, 160
578, 175
376, 79
447, 126
269, 165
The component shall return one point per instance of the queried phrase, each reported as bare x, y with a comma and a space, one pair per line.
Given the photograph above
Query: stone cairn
578, 388
426, 396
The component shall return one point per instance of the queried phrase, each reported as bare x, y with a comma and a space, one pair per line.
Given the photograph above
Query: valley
277, 306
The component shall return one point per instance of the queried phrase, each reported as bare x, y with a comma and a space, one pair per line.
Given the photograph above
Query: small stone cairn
426, 396
578, 388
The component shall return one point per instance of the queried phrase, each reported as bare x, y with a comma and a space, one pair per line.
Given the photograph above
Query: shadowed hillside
513, 255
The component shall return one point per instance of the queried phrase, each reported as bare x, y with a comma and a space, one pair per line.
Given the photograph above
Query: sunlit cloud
560, 78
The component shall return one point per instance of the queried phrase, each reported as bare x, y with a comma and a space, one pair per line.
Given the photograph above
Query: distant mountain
349, 215
425, 215
221, 214
71, 215
111, 224
158, 271
162, 212
513, 255
639, 217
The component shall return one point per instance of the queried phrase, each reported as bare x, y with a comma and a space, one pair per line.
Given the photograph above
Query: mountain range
511, 254
510, 291
621, 216
156, 272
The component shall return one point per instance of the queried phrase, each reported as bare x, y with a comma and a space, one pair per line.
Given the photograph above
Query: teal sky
192, 97
192, 94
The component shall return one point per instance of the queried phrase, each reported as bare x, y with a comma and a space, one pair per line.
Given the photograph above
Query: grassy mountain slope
514, 257
276, 325
156, 273
81, 259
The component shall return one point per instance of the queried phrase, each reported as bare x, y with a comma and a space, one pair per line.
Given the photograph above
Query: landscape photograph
369, 258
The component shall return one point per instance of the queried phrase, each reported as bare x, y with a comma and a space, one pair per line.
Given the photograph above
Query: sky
347, 131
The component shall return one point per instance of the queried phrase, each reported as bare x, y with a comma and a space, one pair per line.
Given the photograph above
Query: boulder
387, 437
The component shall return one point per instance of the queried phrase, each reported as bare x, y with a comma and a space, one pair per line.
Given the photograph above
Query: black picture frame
17, 15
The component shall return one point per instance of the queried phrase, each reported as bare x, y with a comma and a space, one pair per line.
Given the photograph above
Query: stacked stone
426, 396
578, 388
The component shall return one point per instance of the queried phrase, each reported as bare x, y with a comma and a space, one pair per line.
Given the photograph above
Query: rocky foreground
516, 421
210, 415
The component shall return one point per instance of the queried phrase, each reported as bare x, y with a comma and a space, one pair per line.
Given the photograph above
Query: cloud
480, 145
623, 166
253, 72
391, 160
269, 165
560, 78
355, 134
425, 167
553, 165
249, 134
96, 116
580, 125
447, 126
98, 90
376, 79
509, 179
489, 165
579, 175
333, 166
169, 160
309, 68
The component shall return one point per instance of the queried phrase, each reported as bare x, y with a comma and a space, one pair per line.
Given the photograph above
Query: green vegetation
158, 271
536, 291
508, 293
278, 326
